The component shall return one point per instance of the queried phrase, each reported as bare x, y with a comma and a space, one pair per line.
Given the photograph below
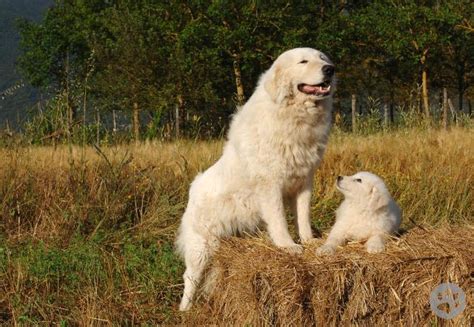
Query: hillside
15, 105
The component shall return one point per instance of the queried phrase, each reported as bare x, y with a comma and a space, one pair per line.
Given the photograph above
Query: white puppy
275, 142
368, 212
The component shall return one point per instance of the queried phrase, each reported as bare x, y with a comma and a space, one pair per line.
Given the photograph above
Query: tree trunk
461, 100
453, 111
238, 82
354, 118
424, 86
71, 109
392, 105
136, 121
461, 86
68, 104
180, 115
177, 121
386, 115
114, 122
98, 126
445, 108
84, 107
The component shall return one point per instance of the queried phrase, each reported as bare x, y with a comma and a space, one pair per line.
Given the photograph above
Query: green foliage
56, 50
157, 56
48, 125
48, 121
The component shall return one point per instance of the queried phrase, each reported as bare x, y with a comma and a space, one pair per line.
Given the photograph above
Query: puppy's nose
339, 178
328, 70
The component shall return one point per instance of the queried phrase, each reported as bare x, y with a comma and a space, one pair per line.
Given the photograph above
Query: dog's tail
179, 243
185, 234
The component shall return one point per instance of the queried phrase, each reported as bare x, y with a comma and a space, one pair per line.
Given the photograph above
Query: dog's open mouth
321, 89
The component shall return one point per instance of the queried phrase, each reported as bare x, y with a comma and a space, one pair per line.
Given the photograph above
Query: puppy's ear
275, 84
377, 199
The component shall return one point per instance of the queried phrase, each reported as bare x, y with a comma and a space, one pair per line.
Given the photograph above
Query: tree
458, 48
129, 62
56, 50
203, 58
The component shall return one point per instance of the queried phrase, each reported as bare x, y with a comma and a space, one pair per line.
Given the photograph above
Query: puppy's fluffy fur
276, 141
368, 212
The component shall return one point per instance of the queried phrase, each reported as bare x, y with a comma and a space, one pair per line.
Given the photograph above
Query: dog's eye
303, 62
358, 180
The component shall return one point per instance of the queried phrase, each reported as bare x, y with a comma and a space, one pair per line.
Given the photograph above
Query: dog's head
300, 73
365, 188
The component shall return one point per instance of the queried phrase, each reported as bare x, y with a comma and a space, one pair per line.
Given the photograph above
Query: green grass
125, 280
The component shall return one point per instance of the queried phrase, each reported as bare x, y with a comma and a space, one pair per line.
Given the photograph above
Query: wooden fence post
445, 108
386, 118
136, 122
238, 81
114, 122
453, 111
177, 122
354, 118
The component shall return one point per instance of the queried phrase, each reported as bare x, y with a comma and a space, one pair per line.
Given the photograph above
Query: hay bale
253, 283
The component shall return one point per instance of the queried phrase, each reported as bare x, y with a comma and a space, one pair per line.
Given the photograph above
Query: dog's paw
185, 305
293, 249
325, 250
375, 247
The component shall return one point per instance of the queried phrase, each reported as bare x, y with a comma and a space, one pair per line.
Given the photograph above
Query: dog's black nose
328, 70
339, 178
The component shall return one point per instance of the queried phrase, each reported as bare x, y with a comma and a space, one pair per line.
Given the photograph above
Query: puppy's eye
358, 180
303, 62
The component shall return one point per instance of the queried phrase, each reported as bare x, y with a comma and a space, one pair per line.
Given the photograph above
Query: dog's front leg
336, 237
376, 243
273, 214
302, 211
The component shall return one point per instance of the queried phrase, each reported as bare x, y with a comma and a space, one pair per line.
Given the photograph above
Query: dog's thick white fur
275, 142
368, 212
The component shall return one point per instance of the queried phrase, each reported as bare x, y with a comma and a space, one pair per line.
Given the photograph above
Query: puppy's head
300, 73
364, 188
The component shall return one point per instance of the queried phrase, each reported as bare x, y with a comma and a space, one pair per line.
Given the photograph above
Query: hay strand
255, 284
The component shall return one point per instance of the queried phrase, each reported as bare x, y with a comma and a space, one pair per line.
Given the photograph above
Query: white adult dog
275, 142
368, 212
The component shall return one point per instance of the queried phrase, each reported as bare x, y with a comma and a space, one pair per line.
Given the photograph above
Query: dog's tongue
311, 89
314, 89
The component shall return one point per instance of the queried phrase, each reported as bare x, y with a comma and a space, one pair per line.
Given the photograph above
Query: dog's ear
275, 84
377, 199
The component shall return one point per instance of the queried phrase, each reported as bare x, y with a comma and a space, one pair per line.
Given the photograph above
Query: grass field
86, 235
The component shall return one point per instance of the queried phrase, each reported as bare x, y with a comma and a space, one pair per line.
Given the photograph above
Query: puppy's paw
293, 249
375, 247
325, 250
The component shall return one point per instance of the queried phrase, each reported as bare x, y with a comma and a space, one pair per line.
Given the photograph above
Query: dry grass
86, 235
349, 288
427, 172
